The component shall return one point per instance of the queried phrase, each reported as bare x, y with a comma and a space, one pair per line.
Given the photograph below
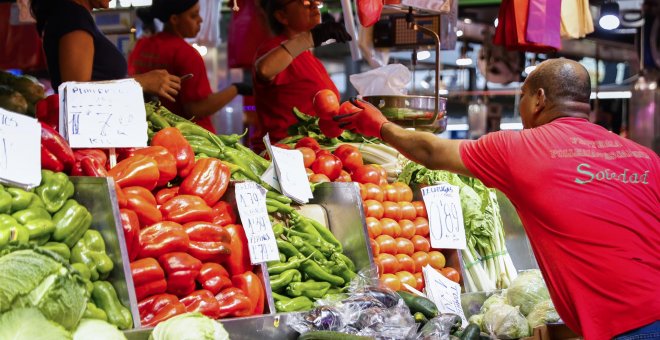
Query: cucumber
330, 335
419, 304
420, 318
471, 332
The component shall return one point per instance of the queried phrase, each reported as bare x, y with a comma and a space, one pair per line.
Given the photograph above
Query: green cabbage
542, 313
477, 319
189, 326
29, 323
495, 299
505, 322
93, 329
36, 278
527, 290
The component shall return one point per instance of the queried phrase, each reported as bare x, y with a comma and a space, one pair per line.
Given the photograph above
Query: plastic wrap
527, 290
440, 327
389, 80
505, 322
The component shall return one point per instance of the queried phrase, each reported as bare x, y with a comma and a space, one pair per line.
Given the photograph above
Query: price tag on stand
445, 293
443, 206
20, 150
103, 114
251, 203
290, 170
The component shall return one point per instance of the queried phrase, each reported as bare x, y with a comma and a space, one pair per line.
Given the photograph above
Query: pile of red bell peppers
187, 252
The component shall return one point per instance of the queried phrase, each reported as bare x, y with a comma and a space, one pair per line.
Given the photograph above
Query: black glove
329, 30
244, 89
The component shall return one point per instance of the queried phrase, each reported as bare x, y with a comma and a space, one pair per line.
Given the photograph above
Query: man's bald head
563, 80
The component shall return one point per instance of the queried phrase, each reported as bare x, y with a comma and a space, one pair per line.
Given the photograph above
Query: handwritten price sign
443, 206
20, 157
251, 203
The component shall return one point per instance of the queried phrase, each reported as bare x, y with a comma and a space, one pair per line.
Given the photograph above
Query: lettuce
542, 313
527, 290
29, 323
505, 322
189, 326
93, 329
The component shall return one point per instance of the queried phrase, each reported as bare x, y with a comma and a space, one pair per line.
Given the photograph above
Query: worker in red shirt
286, 73
589, 200
168, 50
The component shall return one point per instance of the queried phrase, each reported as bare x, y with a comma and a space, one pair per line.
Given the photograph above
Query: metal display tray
98, 195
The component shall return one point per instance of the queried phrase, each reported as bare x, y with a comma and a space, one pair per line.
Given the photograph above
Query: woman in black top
76, 50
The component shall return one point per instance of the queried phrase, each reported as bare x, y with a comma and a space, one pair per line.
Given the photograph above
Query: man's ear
279, 16
540, 98
173, 20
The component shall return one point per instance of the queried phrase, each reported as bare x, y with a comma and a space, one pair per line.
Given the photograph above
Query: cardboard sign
291, 173
103, 114
443, 206
445, 293
251, 203
20, 150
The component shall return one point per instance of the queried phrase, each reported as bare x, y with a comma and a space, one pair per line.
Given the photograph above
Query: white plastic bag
389, 80
209, 33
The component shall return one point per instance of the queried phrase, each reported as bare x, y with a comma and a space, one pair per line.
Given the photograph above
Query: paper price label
443, 206
20, 150
103, 114
251, 203
446, 294
291, 173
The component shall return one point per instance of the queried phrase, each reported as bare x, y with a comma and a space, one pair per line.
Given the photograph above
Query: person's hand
244, 89
329, 30
368, 121
161, 83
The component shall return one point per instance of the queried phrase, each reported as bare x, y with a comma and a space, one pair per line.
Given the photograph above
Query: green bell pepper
58, 248
5, 201
12, 232
37, 221
90, 250
27, 214
105, 297
86, 275
71, 223
55, 189
21, 199
7, 220
93, 312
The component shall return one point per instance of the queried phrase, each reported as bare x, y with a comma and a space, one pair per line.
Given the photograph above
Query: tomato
421, 259
310, 173
381, 171
347, 107
406, 263
308, 142
383, 181
392, 210
330, 128
421, 243
328, 165
420, 281
375, 249
374, 209
319, 178
420, 207
436, 259
421, 226
350, 156
451, 274
320, 152
390, 227
407, 228
374, 192
309, 156
407, 278
373, 227
390, 281
389, 262
391, 193
408, 211
282, 146
379, 266
386, 244
325, 104
404, 246
404, 190
366, 174
343, 177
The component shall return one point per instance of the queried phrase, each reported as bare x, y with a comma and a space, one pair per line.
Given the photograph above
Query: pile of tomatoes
399, 235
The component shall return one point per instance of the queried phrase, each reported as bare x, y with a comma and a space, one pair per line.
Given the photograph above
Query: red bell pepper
208, 179
208, 241
158, 308
80, 154
162, 238
138, 170
165, 194
148, 278
56, 154
174, 141
238, 261
186, 208
213, 277
181, 270
233, 302
92, 167
131, 225
223, 214
122, 202
202, 301
143, 203
253, 288
164, 159
47, 111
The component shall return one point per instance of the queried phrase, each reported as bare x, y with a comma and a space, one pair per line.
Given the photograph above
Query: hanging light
423, 55
532, 65
464, 60
609, 16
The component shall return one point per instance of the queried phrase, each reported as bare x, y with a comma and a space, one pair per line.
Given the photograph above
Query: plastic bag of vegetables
527, 290
493, 300
189, 326
542, 313
505, 322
